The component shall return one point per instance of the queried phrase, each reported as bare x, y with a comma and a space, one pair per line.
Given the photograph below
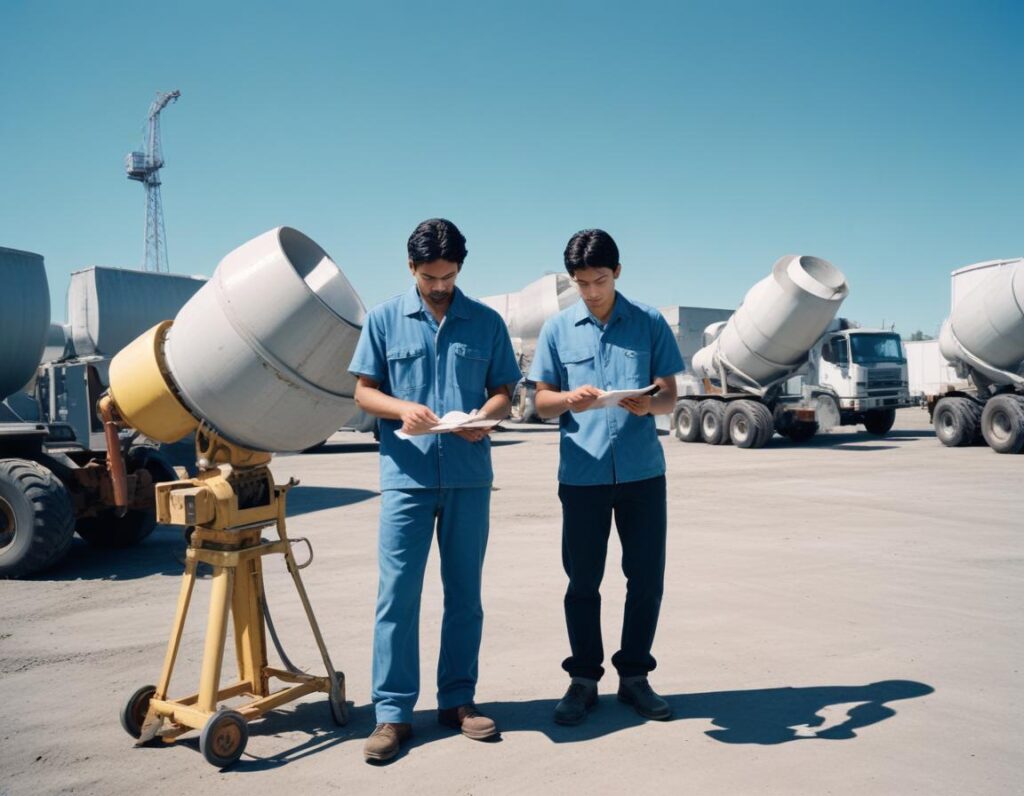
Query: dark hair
437, 239
591, 248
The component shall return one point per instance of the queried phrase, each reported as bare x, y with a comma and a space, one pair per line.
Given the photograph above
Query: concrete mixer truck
983, 339
783, 362
524, 312
52, 482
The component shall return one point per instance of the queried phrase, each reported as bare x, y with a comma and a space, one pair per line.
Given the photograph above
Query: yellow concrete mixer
253, 365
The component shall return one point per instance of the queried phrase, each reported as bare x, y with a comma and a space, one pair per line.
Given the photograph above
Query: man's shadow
761, 716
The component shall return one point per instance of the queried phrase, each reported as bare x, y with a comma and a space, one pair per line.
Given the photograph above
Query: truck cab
865, 368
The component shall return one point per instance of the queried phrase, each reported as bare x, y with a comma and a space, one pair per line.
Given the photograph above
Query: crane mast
145, 167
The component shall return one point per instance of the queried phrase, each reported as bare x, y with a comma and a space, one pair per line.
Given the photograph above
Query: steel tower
145, 167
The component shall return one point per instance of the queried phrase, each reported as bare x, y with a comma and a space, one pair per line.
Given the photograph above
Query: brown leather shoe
468, 719
385, 741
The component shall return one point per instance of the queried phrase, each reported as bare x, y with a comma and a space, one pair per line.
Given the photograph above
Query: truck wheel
106, 529
1002, 423
766, 424
712, 423
956, 422
879, 421
687, 420
744, 423
37, 521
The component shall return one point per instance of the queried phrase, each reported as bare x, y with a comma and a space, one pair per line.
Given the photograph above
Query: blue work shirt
447, 367
635, 346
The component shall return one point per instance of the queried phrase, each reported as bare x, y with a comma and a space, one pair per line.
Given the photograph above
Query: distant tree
919, 335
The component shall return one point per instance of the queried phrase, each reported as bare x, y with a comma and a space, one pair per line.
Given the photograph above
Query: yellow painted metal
141, 389
230, 539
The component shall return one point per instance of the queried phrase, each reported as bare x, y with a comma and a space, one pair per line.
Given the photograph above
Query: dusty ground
843, 617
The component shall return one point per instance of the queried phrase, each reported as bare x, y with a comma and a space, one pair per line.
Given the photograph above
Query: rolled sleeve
666, 360
369, 358
503, 369
546, 366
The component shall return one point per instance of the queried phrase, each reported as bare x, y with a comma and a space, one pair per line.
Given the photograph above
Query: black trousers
640, 518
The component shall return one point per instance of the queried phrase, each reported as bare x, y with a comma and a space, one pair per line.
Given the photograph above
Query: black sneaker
577, 702
636, 691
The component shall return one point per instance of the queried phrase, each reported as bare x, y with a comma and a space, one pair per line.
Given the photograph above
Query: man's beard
439, 296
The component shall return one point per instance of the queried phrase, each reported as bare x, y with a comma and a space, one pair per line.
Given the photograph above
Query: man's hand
637, 405
472, 434
582, 398
418, 419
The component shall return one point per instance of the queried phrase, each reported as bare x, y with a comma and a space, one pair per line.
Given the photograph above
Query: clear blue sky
709, 138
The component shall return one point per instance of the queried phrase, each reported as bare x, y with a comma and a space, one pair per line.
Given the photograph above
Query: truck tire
766, 424
956, 421
879, 421
106, 529
712, 423
687, 420
1002, 423
37, 521
745, 424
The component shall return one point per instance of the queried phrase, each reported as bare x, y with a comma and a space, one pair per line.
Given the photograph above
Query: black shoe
636, 691
577, 702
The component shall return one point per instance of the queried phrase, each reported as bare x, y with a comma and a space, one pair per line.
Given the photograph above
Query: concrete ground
841, 617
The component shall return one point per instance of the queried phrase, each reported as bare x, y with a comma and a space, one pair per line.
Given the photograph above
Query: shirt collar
619, 310
412, 303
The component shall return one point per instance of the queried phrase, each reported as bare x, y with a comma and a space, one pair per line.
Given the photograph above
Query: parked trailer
53, 474
783, 363
983, 339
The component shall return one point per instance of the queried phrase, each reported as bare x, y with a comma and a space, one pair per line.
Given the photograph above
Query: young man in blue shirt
422, 354
611, 464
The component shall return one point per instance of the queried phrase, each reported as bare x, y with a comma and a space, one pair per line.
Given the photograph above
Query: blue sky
709, 138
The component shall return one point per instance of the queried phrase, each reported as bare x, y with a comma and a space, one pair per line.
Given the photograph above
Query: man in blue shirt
610, 463
422, 354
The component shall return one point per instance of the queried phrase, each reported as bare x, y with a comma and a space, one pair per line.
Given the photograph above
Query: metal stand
231, 507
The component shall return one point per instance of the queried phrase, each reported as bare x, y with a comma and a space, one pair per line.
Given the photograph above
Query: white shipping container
928, 371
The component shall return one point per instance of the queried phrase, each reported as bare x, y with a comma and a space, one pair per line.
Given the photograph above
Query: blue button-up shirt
447, 367
635, 346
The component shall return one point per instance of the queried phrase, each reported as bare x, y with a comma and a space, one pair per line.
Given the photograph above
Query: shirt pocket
636, 367
470, 367
407, 369
579, 365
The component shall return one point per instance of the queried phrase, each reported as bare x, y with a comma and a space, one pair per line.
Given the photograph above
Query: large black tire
746, 424
106, 529
1002, 423
956, 421
712, 423
37, 520
766, 425
879, 421
687, 420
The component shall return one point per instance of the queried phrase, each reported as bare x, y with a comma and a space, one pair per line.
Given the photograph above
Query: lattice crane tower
145, 167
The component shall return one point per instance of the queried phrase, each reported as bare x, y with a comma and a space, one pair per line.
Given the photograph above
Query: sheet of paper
453, 420
612, 397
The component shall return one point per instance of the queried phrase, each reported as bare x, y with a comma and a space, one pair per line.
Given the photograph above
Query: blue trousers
408, 519
641, 519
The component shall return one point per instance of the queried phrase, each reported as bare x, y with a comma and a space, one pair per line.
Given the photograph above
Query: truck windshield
867, 349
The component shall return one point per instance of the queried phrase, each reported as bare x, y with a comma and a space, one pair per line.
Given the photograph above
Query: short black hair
437, 239
591, 248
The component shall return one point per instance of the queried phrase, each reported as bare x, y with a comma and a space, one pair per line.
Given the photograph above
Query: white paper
455, 420
612, 397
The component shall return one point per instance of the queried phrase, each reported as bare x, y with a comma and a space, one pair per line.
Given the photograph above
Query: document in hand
456, 420
612, 397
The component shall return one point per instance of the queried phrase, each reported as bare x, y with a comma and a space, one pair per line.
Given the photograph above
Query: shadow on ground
307, 499
163, 551
764, 717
